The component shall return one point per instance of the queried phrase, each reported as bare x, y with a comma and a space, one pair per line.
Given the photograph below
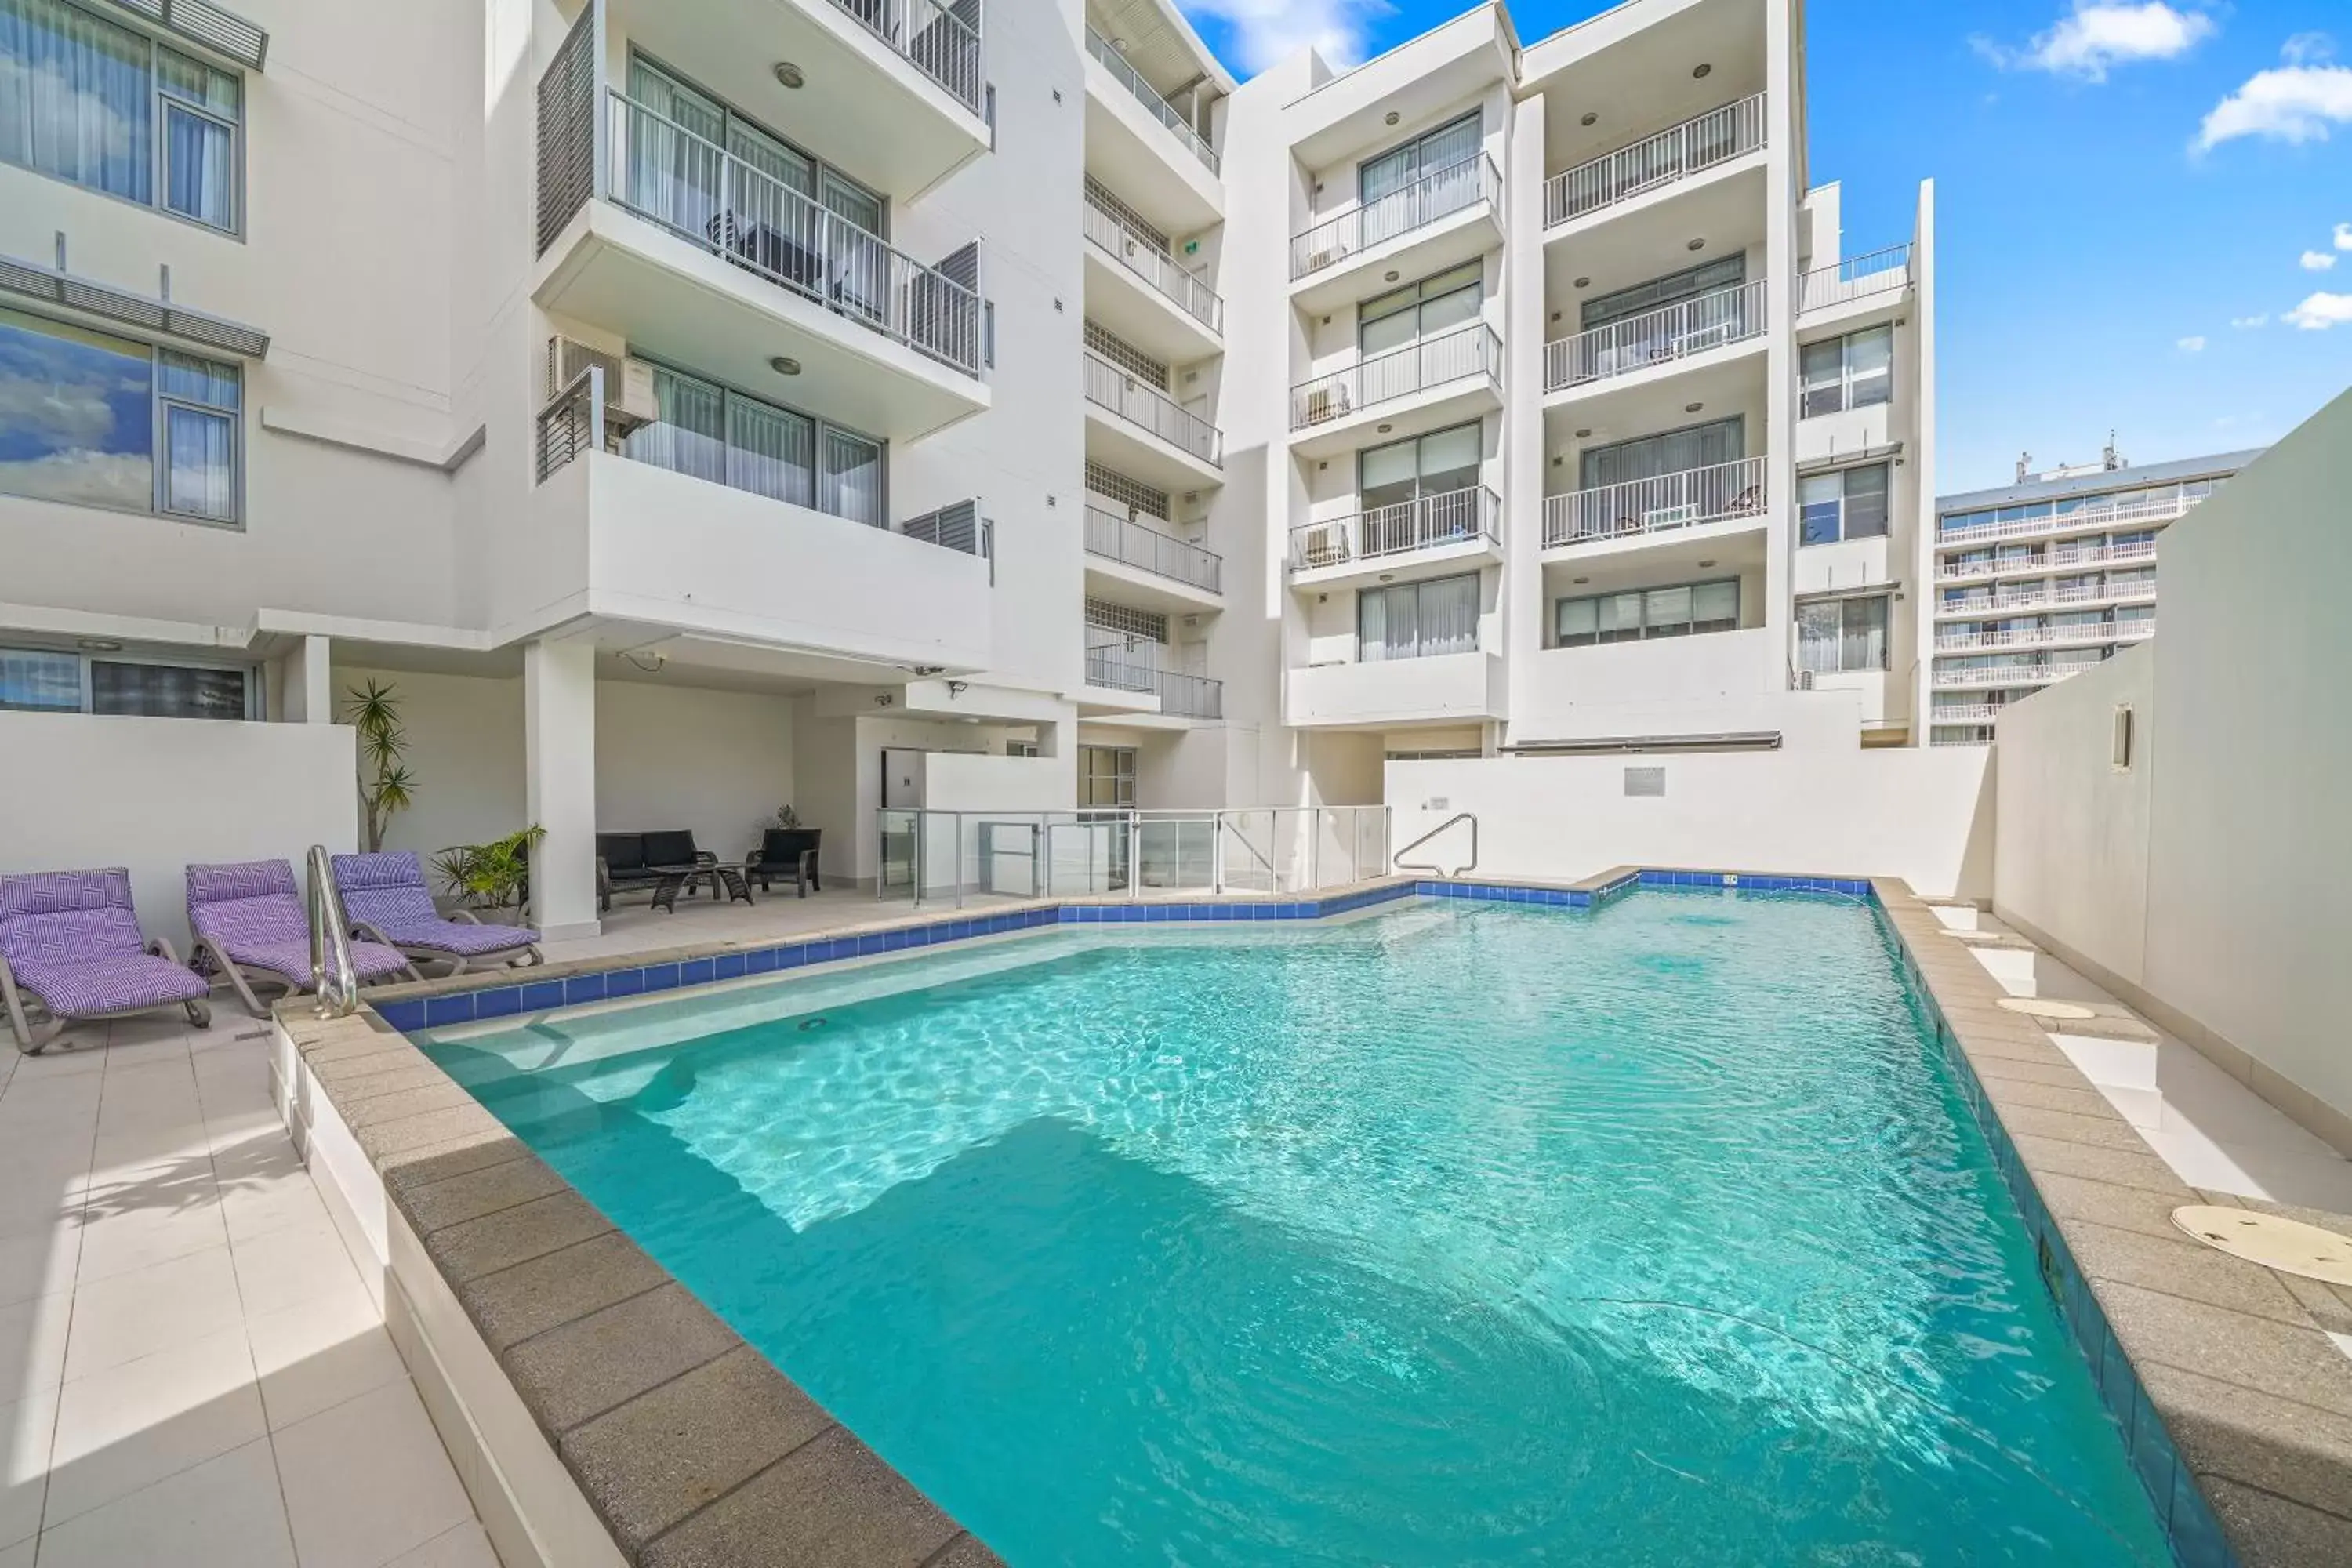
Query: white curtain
1449, 615
199, 167
853, 478
76, 97
768, 451
200, 478
690, 436
1418, 620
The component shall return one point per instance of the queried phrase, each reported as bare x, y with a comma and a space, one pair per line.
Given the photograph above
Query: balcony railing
705, 194
1130, 544
1183, 695
2052, 561
2036, 598
1439, 194
2046, 636
1454, 517
2090, 514
577, 420
1153, 265
1677, 152
938, 40
1857, 277
2013, 674
1965, 713
1656, 337
1147, 95
1107, 386
1473, 349
1655, 505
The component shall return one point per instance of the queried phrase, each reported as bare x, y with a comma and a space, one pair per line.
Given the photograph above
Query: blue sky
2124, 188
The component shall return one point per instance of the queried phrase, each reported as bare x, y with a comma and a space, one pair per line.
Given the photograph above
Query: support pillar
307, 694
559, 719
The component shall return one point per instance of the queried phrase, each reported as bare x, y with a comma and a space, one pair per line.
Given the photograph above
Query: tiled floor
191, 1370
633, 926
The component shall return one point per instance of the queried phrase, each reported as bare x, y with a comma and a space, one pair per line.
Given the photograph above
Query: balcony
1657, 339
696, 256
1137, 290
1881, 276
2012, 675
1421, 387
1666, 503
653, 523
2092, 516
2042, 598
1198, 575
1458, 688
1140, 430
2046, 636
1445, 217
1655, 163
1965, 713
1440, 532
1146, 149
1179, 695
2061, 559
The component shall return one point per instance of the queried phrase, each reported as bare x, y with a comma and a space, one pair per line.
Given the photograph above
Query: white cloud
2344, 237
2243, 323
2190, 345
1269, 31
2292, 103
2317, 261
2103, 33
2321, 311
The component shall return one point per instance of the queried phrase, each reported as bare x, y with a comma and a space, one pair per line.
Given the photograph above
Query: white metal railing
1151, 264
1856, 278
1473, 349
2104, 593
1438, 193
1140, 403
1661, 502
939, 42
703, 194
2047, 637
2090, 515
1716, 137
2054, 560
1965, 713
1180, 694
930, 856
1727, 316
1421, 523
1982, 736
1159, 108
2014, 675
1131, 543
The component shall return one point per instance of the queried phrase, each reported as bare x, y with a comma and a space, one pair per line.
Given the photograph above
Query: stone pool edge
2235, 1406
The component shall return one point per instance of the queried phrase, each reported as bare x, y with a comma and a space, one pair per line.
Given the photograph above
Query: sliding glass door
1418, 620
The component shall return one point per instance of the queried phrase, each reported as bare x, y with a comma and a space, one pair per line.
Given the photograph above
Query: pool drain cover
2042, 1008
2288, 1245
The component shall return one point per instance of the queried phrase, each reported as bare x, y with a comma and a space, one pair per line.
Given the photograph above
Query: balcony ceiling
1161, 44
1643, 83
1721, 389
1727, 211
1660, 562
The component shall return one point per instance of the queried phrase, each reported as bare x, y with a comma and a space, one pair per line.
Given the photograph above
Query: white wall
1925, 815
719, 763
156, 794
2242, 879
465, 746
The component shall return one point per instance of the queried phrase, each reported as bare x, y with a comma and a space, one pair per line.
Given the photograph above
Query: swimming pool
1457, 1232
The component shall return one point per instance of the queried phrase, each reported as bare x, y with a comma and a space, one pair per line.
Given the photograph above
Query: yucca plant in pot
490, 879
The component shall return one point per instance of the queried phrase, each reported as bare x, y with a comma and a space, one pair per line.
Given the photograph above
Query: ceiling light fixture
785, 364
1699, 71
1579, 582
1692, 408
1705, 566
1390, 117
1583, 282
1589, 118
98, 645
790, 75
1696, 245
1386, 428
1388, 576
1581, 435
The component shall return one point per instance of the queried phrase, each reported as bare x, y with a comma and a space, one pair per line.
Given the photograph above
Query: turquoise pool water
1460, 1233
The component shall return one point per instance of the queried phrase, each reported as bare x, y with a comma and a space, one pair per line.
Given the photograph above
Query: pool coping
582, 1390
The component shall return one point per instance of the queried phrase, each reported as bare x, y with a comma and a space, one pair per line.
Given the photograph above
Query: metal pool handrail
338, 987
1402, 864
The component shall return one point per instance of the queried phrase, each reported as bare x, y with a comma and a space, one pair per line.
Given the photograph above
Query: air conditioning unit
628, 382
1804, 681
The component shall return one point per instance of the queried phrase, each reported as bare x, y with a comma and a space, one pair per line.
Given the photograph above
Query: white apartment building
689, 406
2044, 578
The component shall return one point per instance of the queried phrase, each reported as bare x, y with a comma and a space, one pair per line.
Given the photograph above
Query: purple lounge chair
71, 941
386, 900
250, 926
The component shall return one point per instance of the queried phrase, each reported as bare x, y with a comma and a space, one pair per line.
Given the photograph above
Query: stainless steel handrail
1399, 861
336, 982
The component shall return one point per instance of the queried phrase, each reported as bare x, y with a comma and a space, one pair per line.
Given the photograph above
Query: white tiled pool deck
191, 1370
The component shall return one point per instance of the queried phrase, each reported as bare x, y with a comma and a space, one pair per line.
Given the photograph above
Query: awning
156, 318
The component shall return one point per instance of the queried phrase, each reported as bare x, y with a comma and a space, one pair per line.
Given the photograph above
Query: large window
1681, 609
1449, 146
1658, 293
678, 177
1668, 452
723, 436
87, 101
46, 681
1437, 464
1421, 310
1106, 776
1849, 503
96, 420
1418, 620
1856, 371
1836, 636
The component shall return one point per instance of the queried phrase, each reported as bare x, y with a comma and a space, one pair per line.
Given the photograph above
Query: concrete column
558, 722
1780, 444
307, 694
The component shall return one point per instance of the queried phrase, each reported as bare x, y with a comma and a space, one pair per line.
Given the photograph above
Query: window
97, 420
1421, 310
1379, 179
728, 438
1841, 635
1669, 452
1848, 503
86, 100
1683, 609
1020, 748
1707, 278
43, 680
1418, 620
1106, 776
1856, 371
1437, 463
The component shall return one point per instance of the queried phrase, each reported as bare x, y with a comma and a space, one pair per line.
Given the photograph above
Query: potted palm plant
492, 878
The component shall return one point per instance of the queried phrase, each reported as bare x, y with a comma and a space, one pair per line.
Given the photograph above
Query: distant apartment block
2041, 579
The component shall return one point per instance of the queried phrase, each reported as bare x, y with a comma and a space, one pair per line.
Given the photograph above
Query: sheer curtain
199, 140
768, 451
853, 478
200, 400
690, 436
1449, 616
1417, 620
76, 97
